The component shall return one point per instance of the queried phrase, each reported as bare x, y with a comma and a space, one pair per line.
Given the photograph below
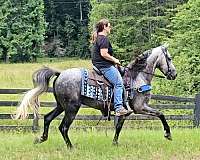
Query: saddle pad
95, 88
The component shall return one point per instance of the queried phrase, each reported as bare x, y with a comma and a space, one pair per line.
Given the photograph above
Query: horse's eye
169, 58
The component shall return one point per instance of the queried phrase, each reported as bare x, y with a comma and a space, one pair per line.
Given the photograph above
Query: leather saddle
96, 78
95, 85
96, 74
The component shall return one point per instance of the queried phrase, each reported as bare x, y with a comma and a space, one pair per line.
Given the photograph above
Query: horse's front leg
145, 109
118, 121
166, 126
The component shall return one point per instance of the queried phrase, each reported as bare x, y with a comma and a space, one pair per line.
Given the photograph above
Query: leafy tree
21, 30
67, 24
138, 25
185, 45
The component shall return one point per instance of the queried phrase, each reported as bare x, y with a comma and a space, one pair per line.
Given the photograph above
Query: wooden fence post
35, 126
197, 110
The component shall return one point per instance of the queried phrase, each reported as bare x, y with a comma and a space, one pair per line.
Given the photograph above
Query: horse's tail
41, 80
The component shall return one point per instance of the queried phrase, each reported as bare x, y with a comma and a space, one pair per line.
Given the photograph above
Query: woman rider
103, 60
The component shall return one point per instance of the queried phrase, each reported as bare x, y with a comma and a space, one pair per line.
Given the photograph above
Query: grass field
20, 75
97, 145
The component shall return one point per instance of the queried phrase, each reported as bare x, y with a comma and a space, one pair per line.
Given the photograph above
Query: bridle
164, 50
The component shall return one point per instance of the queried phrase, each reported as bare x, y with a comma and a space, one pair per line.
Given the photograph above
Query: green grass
96, 145
20, 75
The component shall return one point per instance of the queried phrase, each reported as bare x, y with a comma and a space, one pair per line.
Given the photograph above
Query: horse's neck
146, 76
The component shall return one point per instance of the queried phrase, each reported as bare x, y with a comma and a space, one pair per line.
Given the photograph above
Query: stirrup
126, 105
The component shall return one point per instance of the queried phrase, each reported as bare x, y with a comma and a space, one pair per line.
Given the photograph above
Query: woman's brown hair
99, 28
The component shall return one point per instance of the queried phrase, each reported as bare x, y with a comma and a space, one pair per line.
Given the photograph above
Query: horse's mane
139, 63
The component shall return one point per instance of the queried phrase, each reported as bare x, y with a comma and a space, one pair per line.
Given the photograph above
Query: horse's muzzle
172, 75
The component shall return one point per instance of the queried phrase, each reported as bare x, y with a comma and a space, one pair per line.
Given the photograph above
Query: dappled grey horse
67, 92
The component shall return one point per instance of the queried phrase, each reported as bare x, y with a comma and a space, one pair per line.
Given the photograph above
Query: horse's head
164, 63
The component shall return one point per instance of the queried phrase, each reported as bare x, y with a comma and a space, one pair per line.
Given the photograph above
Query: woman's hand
116, 61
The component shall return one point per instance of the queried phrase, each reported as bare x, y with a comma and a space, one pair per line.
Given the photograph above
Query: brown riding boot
122, 112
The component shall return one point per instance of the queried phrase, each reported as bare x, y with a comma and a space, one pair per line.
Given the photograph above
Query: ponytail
94, 36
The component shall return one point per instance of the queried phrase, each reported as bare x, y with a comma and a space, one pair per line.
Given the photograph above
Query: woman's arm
104, 53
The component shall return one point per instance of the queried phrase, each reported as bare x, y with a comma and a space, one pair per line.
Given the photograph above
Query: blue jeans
114, 77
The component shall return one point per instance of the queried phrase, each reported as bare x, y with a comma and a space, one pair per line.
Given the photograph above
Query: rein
153, 74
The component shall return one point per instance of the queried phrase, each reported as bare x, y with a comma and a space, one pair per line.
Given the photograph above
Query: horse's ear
136, 59
130, 65
166, 45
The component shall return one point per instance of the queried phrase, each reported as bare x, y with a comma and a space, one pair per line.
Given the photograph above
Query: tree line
22, 30
56, 28
137, 25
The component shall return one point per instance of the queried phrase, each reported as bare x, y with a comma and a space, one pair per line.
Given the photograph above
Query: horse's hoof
70, 146
115, 143
39, 140
168, 136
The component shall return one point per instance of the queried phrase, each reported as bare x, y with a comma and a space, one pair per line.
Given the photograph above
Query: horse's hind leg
47, 120
119, 121
70, 114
